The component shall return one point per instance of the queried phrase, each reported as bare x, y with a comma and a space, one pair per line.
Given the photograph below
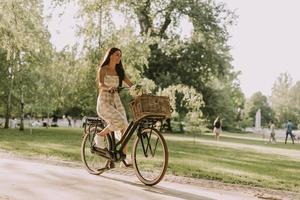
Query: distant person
217, 128
54, 121
272, 133
74, 122
69, 121
289, 131
44, 123
14, 123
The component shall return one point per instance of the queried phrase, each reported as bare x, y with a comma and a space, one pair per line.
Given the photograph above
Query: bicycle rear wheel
150, 156
94, 163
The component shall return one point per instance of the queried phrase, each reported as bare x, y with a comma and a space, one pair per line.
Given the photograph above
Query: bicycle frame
116, 153
132, 127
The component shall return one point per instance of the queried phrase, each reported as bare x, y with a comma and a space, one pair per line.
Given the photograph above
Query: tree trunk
7, 115
20, 70
22, 111
48, 120
100, 25
8, 105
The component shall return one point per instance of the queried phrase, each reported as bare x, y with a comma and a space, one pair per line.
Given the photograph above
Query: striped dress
109, 106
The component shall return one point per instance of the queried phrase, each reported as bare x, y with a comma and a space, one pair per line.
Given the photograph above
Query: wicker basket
152, 106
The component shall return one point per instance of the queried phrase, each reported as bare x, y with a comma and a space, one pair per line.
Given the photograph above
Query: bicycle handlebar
119, 89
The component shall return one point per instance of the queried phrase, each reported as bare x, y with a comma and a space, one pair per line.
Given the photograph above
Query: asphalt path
35, 180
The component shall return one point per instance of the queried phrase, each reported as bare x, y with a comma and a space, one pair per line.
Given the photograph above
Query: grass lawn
250, 139
187, 158
62, 143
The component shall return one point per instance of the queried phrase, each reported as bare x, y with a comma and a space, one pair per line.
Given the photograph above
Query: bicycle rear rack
94, 121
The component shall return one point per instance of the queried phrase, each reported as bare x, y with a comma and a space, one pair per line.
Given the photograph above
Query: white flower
136, 90
145, 87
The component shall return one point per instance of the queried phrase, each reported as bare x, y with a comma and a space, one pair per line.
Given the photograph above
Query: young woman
111, 75
272, 134
217, 128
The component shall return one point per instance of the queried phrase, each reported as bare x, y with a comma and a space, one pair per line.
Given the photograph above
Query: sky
265, 42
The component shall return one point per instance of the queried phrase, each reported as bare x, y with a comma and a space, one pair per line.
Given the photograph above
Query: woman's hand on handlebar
119, 89
112, 89
116, 89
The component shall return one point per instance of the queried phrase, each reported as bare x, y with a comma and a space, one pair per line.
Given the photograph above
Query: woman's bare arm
101, 81
127, 81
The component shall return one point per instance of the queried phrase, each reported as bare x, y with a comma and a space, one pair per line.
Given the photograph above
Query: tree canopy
196, 72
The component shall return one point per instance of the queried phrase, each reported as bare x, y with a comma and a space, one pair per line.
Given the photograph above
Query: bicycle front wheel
94, 163
150, 156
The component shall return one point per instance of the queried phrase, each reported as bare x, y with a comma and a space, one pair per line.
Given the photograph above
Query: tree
6, 82
295, 101
228, 100
25, 40
186, 103
196, 62
281, 101
259, 101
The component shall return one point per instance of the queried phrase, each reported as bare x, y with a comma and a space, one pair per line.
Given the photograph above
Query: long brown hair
119, 67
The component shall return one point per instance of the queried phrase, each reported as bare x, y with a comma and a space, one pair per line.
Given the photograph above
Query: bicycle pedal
126, 164
111, 165
120, 156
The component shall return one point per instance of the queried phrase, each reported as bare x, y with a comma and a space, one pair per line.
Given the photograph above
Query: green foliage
186, 103
195, 70
164, 57
25, 41
259, 101
5, 80
194, 122
21, 27
295, 101
228, 100
197, 62
282, 99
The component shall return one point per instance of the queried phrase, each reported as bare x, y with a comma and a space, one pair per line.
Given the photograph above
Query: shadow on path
161, 190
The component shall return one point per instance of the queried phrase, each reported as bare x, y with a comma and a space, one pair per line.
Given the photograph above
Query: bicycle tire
148, 169
94, 163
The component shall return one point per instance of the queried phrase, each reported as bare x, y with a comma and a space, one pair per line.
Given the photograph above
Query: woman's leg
274, 138
113, 118
104, 132
217, 132
292, 137
120, 108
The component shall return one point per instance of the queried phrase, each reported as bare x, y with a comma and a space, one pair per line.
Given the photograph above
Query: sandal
126, 163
